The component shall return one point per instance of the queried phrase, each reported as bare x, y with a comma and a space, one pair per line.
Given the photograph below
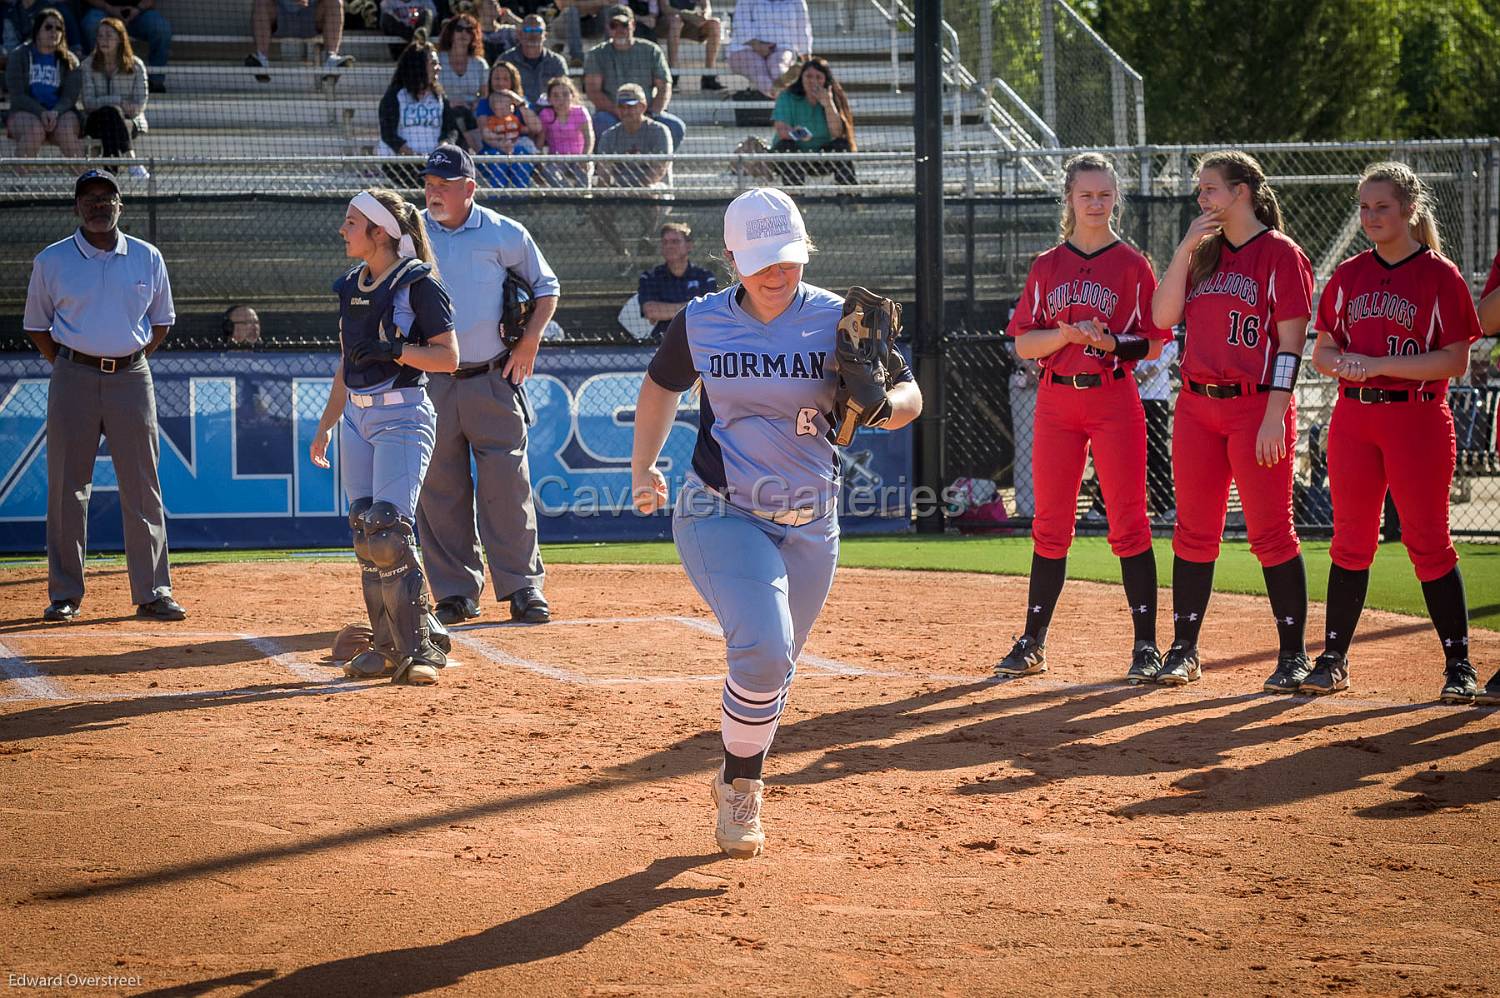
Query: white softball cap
763, 226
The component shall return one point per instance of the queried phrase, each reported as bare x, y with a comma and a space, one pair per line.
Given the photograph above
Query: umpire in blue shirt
99, 303
481, 409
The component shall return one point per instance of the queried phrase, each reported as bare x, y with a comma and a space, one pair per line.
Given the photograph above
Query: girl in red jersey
1394, 324
1244, 291
1489, 321
1085, 316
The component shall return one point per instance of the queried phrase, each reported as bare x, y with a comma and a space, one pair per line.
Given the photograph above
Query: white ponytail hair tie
369, 206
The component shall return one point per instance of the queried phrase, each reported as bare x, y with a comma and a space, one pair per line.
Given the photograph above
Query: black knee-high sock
1047, 578
1346, 601
1286, 585
1138, 573
1449, 609
1192, 585
742, 767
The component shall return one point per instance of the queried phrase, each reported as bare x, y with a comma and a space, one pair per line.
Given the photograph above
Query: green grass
1392, 585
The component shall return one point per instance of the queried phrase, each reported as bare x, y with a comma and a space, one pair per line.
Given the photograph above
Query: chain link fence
264, 234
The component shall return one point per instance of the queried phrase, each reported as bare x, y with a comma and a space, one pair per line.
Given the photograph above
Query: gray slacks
479, 416
82, 403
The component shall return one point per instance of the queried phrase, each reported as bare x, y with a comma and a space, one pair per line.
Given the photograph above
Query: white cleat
738, 830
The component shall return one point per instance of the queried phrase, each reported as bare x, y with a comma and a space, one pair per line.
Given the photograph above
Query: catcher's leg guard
402, 587
381, 659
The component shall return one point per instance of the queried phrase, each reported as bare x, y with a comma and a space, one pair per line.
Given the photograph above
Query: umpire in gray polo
99, 303
481, 410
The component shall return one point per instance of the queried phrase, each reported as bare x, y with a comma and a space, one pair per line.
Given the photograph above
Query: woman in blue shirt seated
44, 83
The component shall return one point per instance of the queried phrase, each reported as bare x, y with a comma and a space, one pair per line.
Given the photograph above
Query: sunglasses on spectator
53, 26
533, 31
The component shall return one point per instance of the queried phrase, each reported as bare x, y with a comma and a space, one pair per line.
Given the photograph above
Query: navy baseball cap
449, 162
95, 176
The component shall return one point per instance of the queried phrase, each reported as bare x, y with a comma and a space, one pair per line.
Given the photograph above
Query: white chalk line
37, 686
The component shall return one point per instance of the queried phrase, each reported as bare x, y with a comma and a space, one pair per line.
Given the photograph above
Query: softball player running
1085, 317
1394, 324
756, 522
1244, 291
395, 324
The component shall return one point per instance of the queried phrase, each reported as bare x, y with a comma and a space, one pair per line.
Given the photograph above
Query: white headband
369, 206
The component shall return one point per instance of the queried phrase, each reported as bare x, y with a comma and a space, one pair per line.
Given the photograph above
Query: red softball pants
1213, 443
1070, 421
1408, 447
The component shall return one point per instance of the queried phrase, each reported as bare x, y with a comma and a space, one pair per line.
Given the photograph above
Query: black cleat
1026, 658
1180, 666
711, 83
1145, 664
60, 610
161, 608
1330, 674
1490, 695
529, 606
1460, 682
452, 610
1291, 670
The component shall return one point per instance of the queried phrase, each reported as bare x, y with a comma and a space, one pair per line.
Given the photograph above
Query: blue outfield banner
235, 471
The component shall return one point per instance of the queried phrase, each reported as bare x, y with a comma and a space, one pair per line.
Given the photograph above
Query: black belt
1084, 380
497, 364
109, 365
1222, 391
474, 372
1383, 395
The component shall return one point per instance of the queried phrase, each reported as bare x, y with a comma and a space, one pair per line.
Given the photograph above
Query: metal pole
929, 256
1049, 65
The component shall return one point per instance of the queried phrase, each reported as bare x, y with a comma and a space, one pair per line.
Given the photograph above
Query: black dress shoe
530, 606
452, 610
161, 608
61, 610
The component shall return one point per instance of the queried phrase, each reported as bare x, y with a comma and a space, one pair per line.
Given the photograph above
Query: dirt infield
208, 809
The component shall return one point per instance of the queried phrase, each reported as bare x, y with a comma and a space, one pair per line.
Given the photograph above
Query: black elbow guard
1129, 346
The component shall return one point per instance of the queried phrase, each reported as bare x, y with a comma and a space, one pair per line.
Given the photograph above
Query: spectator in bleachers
769, 39
566, 131
44, 83
626, 226
577, 20
635, 134
813, 115
298, 19
15, 24
414, 114
404, 18
531, 58
464, 74
695, 21
666, 288
507, 127
144, 23
626, 59
241, 325
115, 93
497, 29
